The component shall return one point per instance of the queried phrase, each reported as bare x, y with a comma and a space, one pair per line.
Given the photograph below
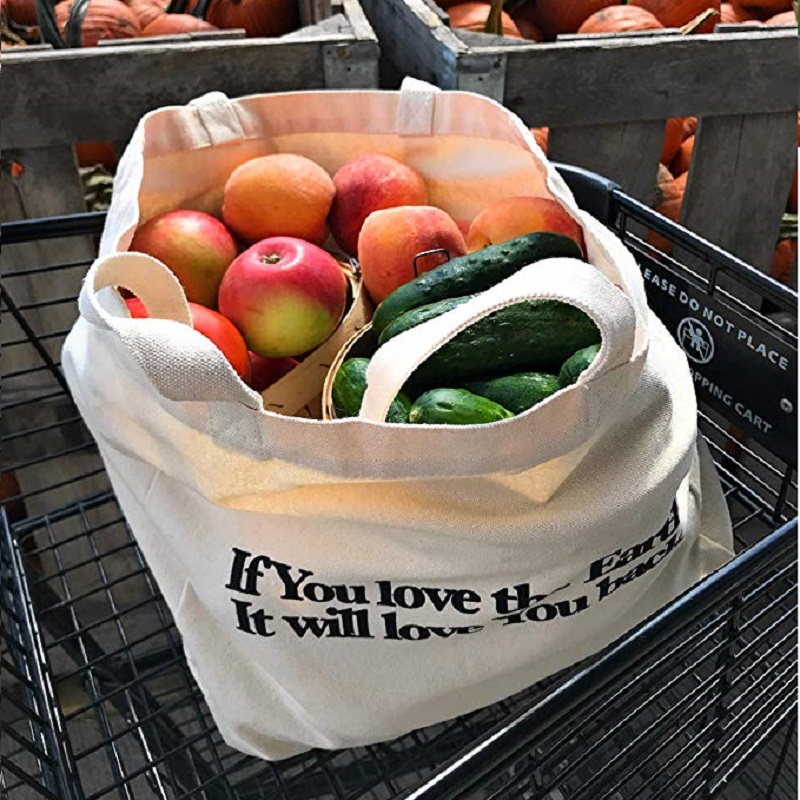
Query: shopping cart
98, 701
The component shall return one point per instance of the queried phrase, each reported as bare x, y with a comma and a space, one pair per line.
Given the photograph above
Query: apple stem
271, 259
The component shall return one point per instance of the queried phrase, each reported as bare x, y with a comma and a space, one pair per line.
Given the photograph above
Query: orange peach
369, 183
515, 216
392, 238
278, 195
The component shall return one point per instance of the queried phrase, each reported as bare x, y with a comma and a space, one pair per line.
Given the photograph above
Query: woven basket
299, 393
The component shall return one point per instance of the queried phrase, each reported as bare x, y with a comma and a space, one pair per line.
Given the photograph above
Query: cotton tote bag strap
565, 420
181, 363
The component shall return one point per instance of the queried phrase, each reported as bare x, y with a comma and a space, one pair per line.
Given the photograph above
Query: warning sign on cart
745, 371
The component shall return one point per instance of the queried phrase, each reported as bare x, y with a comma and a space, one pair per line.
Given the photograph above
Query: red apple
213, 326
266, 371
136, 308
197, 247
285, 295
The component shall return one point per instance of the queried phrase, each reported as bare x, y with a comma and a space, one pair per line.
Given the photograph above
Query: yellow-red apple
285, 295
370, 183
391, 240
515, 216
196, 247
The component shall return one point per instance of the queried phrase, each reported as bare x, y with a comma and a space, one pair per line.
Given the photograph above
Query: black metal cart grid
98, 701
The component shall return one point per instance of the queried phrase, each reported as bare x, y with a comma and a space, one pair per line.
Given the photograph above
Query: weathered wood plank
330, 27
359, 23
313, 11
476, 40
438, 10
593, 37
739, 179
350, 65
738, 27
652, 78
415, 40
192, 36
627, 153
37, 93
484, 73
41, 183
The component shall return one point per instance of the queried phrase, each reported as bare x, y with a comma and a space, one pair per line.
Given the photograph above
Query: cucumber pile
502, 365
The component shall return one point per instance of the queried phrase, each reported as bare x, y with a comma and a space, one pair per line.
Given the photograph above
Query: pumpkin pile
545, 20
671, 179
85, 23
673, 173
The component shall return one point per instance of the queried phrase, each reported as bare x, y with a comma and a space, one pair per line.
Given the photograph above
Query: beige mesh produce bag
343, 582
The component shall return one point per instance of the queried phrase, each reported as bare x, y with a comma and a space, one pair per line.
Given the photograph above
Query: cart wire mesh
98, 701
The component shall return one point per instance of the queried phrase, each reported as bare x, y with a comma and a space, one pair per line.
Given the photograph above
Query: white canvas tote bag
343, 582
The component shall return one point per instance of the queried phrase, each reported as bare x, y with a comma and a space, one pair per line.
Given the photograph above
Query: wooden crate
606, 100
53, 99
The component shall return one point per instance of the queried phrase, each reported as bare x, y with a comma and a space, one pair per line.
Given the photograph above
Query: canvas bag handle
220, 122
181, 363
565, 279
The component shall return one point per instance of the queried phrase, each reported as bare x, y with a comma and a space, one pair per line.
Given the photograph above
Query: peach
515, 216
278, 195
370, 183
392, 238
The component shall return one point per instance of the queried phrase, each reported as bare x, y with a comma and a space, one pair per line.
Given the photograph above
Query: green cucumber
455, 407
474, 273
533, 336
348, 390
517, 392
576, 364
419, 315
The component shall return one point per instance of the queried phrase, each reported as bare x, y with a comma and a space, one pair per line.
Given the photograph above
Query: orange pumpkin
784, 18
668, 201
681, 162
541, 135
784, 261
565, 16
673, 136
167, 24
257, 17
620, 19
730, 14
524, 19
473, 16
91, 153
23, 12
148, 10
669, 193
676, 13
763, 9
529, 30
104, 19
689, 127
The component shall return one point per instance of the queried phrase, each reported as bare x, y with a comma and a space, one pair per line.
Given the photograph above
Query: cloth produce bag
343, 582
